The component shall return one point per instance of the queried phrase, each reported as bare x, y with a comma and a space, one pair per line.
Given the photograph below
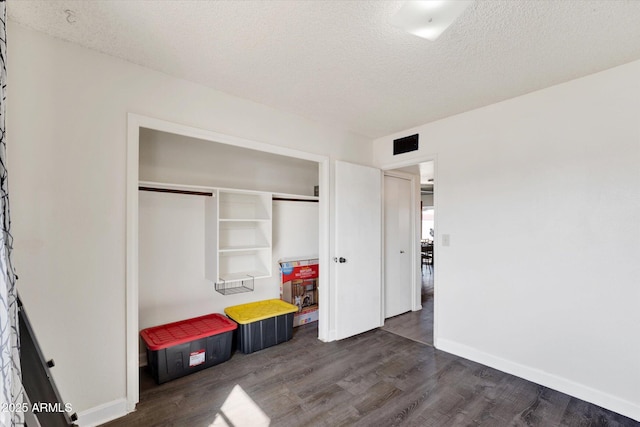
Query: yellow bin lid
260, 310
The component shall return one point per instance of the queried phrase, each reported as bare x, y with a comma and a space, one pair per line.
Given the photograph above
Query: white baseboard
103, 413
331, 336
588, 394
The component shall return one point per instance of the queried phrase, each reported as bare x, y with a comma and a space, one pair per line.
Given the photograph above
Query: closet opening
210, 220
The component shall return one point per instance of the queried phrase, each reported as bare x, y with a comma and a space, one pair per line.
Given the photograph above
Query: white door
358, 249
398, 271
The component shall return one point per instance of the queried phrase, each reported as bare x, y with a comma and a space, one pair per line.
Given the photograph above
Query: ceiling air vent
406, 144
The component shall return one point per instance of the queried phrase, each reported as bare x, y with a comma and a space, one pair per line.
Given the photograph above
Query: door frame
413, 162
137, 121
415, 250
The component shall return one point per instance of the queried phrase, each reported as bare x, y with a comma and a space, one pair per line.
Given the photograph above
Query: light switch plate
446, 240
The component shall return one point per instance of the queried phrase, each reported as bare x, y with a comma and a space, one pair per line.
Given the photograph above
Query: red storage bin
181, 348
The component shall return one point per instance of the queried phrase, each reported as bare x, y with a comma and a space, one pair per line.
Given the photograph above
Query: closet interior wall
172, 283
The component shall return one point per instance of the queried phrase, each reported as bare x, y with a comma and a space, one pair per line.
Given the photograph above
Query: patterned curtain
11, 401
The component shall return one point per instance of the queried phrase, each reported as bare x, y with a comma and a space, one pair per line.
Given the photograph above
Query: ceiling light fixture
428, 18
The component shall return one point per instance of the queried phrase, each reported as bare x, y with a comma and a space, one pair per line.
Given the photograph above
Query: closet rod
168, 190
286, 199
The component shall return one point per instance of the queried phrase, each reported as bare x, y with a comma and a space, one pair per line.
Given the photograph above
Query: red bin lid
163, 336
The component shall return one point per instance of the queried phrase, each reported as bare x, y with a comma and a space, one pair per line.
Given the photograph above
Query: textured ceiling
341, 62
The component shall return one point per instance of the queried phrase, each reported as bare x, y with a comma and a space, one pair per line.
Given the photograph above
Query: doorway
419, 325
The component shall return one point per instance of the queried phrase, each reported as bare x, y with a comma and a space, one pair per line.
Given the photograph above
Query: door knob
341, 260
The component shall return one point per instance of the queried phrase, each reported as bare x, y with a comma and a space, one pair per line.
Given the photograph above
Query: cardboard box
299, 286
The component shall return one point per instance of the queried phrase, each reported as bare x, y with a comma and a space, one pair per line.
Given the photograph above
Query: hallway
416, 325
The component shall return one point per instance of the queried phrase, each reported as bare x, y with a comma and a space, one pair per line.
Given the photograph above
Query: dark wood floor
386, 377
374, 379
416, 325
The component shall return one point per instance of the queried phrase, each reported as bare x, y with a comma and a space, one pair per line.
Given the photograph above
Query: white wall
295, 230
66, 129
167, 157
541, 198
171, 259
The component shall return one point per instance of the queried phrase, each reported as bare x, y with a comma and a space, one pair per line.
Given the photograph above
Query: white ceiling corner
342, 62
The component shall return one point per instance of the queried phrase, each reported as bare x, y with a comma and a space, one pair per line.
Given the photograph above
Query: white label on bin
196, 358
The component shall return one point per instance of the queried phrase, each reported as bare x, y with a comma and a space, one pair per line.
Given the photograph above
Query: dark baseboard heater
38, 384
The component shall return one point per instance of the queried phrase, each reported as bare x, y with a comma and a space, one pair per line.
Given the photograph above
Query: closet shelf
238, 232
244, 275
238, 239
